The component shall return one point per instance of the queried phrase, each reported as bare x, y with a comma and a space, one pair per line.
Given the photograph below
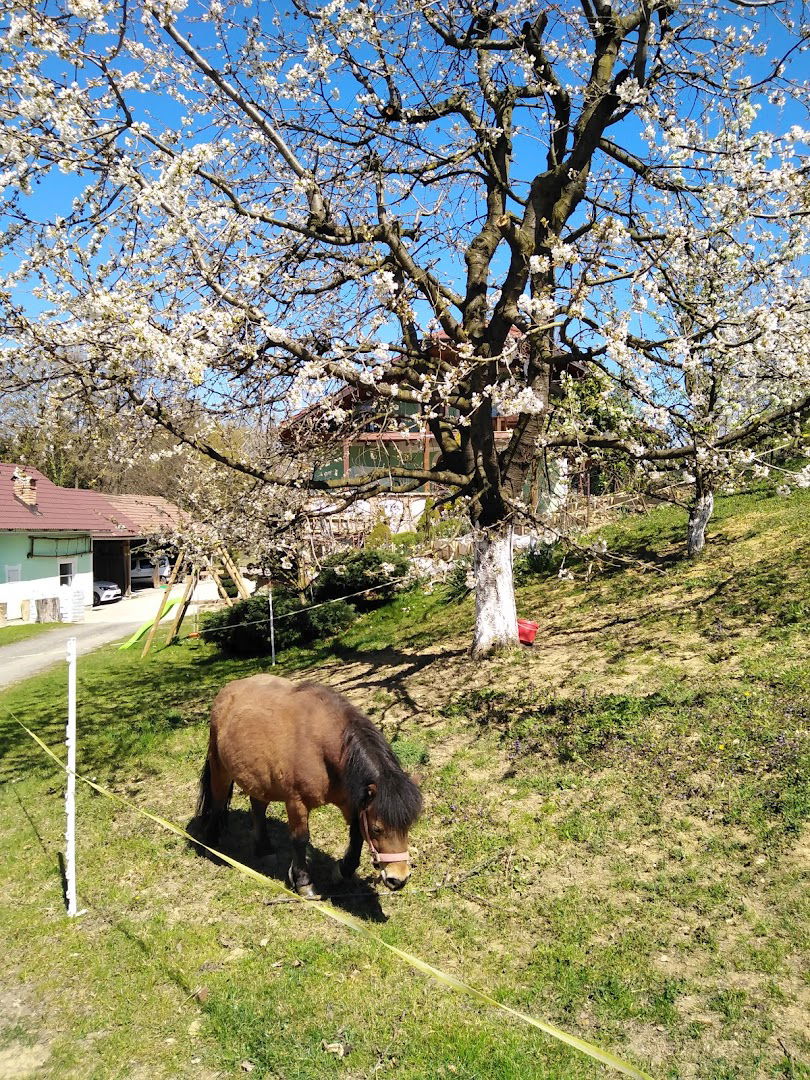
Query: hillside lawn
615, 839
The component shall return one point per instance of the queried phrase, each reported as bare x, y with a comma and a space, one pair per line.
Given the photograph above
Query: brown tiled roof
151, 513
344, 395
60, 509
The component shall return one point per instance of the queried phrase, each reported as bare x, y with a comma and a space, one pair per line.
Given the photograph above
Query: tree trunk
495, 611
699, 514
48, 609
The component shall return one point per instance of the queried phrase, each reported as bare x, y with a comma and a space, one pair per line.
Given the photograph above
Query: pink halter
379, 857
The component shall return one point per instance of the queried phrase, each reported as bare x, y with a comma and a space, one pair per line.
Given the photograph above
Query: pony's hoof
308, 892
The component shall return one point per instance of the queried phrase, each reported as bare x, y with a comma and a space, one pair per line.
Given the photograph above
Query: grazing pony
306, 745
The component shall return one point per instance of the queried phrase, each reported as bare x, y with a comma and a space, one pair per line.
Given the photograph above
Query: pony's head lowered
383, 798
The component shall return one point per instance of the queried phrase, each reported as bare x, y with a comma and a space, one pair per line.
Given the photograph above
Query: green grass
615, 838
10, 635
756, 766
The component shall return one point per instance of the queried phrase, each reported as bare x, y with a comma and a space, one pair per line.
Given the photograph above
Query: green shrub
380, 536
456, 583
229, 585
449, 528
244, 629
428, 519
223, 628
540, 561
331, 619
347, 573
405, 540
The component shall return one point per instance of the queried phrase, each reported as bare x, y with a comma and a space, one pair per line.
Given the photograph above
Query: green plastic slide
173, 602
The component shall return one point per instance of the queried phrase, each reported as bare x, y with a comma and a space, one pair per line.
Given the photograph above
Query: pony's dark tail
205, 798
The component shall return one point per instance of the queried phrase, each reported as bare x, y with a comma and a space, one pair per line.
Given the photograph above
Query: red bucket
527, 631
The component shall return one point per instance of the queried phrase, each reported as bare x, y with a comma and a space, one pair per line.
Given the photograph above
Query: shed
47, 537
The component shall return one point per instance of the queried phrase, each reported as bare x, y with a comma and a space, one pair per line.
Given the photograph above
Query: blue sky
54, 194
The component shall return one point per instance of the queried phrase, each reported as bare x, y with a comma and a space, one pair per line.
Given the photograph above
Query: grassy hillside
615, 838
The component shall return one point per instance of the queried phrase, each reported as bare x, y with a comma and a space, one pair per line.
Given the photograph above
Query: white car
142, 570
104, 592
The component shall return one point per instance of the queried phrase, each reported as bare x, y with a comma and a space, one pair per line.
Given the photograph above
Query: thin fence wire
311, 607
275, 618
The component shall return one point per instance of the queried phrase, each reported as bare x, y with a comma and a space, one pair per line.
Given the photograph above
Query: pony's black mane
368, 759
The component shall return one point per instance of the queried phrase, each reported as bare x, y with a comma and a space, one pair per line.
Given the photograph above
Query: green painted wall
39, 576
14, 548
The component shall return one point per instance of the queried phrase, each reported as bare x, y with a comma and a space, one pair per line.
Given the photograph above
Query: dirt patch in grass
23, 1048
798, 855
19, 1061
612, 653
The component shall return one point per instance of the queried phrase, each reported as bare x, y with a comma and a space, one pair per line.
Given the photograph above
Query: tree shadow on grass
661, 549
355, 896
388, 670
637, 618
125, 706
385, 669
637, 552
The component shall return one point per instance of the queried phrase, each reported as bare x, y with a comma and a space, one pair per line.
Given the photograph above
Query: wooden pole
235, 573
182, 607
223, 592
150, 637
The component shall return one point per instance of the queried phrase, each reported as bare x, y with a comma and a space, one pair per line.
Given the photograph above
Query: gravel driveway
102, 625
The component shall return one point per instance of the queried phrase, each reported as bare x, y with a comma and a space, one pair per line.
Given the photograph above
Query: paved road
102, 625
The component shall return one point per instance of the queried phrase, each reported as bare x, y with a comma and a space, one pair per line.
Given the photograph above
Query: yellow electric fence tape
585, 1047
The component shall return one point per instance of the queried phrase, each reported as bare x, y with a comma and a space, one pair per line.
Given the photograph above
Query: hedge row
244, 629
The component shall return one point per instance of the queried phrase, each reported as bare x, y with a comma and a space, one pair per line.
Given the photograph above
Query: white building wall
39, 578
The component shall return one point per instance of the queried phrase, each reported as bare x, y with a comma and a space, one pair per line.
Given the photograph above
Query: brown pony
306, 745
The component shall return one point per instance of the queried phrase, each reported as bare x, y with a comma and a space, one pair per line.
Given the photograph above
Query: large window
46, 547
366, 457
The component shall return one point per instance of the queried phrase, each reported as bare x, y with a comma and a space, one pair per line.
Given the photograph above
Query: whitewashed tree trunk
699, 514
495, 611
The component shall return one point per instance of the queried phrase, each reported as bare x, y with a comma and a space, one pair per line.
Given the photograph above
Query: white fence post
70, 791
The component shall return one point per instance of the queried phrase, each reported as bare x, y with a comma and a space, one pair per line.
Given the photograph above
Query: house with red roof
377, 433
115, 558
50, 535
